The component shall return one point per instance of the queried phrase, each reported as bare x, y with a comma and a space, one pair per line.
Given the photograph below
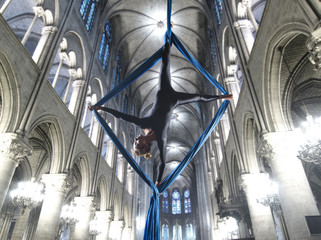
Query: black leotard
166, 100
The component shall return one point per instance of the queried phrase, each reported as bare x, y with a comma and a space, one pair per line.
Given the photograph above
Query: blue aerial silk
152, 226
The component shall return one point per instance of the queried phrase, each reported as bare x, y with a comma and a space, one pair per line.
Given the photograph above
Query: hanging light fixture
28, 194
310, 149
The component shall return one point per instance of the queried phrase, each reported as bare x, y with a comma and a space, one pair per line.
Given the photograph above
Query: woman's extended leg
184, 98
129, 118
165, 75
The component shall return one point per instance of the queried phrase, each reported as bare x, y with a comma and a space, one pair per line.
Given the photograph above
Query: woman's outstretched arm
129, 118
184, 98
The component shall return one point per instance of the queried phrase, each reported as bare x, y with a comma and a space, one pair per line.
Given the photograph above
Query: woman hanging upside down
156, 124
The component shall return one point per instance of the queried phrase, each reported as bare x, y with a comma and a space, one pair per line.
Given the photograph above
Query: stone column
12, 150
55, 190
74, 104
41, 46
7, 214
121, 168
39, 12
21, 225
130, 180
5, 6
295, 194
116, 229
248, 4
104, 218
261, 217
86, 208
239, 25
72, 75
204, 206
111, 150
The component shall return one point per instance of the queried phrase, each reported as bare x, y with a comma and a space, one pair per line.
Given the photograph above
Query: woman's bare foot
94, 107
228, 97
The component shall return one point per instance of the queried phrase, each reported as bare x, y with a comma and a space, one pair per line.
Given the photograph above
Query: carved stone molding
14, 147
314, 45
265, 151
105, 216
49, 29
86, 203
57, 182
235, 208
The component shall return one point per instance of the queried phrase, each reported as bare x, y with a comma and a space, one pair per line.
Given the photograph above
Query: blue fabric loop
152, 226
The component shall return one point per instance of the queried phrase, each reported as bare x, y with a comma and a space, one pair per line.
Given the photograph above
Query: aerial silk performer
156, 129
156, 124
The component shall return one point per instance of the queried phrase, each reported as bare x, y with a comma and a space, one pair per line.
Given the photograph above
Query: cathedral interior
258, 175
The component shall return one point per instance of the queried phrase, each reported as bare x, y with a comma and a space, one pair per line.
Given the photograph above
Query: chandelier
27, 194
70, 214
310, 149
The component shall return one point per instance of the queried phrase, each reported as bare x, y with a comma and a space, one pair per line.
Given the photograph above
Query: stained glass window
176, 202
83, 8
177, 232
189, 232
104, 49
117, 72
165, 232
87, 11
91, 16
217, 4
165, 208
187, 202
212, 48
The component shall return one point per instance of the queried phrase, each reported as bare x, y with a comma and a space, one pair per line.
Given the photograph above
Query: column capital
14, 147
247, 3
105, 216
248, 180
78, 83
273, 143
57, 182
49, 29
87, 203
314, 46
39, 11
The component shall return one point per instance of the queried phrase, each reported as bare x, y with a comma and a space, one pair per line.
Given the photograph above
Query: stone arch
82, 163
274, 94
117, 206
76, 44
9, 96
235, 173
250, 143
52, 125
103, 187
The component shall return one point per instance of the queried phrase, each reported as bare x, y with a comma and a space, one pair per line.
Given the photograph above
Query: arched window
104, 48
117, 72
177, 232
187, 202
165, 232
217, 4
189, 232
165, 203
176, 202
88, 10
104, 147
125, 103
212, 48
